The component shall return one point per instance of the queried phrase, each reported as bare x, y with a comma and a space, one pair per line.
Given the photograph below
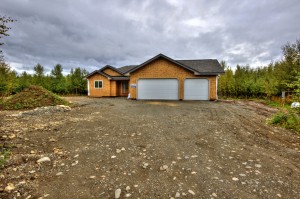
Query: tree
58, 80
4, 73
25, 80
77, 82
57, 71
3, 27
39, 75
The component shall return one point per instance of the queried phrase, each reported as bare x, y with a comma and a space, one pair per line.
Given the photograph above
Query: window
98, 84
124, 87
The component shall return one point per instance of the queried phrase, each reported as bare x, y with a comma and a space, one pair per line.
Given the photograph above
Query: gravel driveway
150, 149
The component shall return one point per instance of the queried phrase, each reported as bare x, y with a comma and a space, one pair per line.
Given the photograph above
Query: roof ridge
111, 67
193, 59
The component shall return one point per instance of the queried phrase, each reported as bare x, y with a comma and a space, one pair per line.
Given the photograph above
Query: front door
124, 87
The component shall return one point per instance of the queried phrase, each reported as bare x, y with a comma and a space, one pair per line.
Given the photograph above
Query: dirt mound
32, 97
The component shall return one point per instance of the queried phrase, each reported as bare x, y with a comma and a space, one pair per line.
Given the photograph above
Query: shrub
289, 120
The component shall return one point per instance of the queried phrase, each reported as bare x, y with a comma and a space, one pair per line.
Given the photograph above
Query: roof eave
112, 68
209, 73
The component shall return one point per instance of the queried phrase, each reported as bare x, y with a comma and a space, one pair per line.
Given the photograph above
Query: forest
74, 83
243, 82
266, 81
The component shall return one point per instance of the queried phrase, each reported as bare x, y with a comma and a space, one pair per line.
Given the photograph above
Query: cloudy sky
91, 33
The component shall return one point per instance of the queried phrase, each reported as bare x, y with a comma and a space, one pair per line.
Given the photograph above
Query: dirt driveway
149, 150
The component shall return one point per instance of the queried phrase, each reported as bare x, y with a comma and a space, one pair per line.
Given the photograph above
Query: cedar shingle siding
159, 66
162, 68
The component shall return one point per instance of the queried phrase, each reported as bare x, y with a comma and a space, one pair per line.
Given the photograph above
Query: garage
157, 89
196, 89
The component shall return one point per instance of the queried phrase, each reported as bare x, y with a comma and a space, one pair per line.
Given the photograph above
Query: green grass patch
287, 119
32, 97
4, 155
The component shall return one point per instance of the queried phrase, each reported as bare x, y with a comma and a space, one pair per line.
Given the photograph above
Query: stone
122, 149
235, 179
118, 193
145, 165
9, 187
75, 163
164, 167
127, 195
43, 159
12, 136
177, 195
214, 195
59, 174
118, 150
191, 192
92, 177
127, 188
113, 156
257, 165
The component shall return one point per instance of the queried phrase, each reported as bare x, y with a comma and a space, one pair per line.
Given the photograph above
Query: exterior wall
112, 72
162, 68
99, 92
113, 88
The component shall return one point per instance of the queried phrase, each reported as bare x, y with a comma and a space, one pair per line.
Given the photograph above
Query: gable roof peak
160, 55
112, 68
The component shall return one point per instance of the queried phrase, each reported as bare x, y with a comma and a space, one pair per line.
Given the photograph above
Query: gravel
158, 150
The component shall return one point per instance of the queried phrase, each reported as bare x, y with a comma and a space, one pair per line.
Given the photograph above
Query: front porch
121, 89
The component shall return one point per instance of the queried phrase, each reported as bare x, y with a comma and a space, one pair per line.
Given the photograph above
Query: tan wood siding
162, 68
113, 88
99, 92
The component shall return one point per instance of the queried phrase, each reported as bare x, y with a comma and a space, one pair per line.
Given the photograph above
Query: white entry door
157, 89
196, 89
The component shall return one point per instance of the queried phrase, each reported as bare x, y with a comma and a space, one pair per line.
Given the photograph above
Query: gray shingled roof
203, 65
124, 69
199, 67
120, 77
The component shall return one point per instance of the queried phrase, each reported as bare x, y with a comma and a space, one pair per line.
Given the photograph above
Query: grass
4, 155
30, 98
288, 119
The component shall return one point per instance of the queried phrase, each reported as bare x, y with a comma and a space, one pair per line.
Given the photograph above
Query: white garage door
196, 89
163, 89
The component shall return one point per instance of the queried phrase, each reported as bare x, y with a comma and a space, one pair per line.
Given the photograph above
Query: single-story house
159, 78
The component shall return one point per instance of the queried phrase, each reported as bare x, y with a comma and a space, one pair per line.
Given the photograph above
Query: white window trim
98, 81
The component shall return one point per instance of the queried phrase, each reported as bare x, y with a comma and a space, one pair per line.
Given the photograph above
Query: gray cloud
93, 33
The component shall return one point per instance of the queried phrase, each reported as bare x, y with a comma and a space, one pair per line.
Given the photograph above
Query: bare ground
211, 150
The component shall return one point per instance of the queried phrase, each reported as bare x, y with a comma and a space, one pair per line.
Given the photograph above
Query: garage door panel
196, 89
164, 89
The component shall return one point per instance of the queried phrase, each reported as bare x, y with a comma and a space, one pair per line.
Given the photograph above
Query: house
159, 78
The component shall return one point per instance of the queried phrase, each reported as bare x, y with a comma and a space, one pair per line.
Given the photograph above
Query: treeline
74, 83
266, 81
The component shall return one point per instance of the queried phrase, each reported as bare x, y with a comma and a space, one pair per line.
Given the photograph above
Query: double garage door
168, 89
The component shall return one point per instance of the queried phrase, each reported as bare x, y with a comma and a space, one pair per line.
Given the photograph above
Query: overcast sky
91, 33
